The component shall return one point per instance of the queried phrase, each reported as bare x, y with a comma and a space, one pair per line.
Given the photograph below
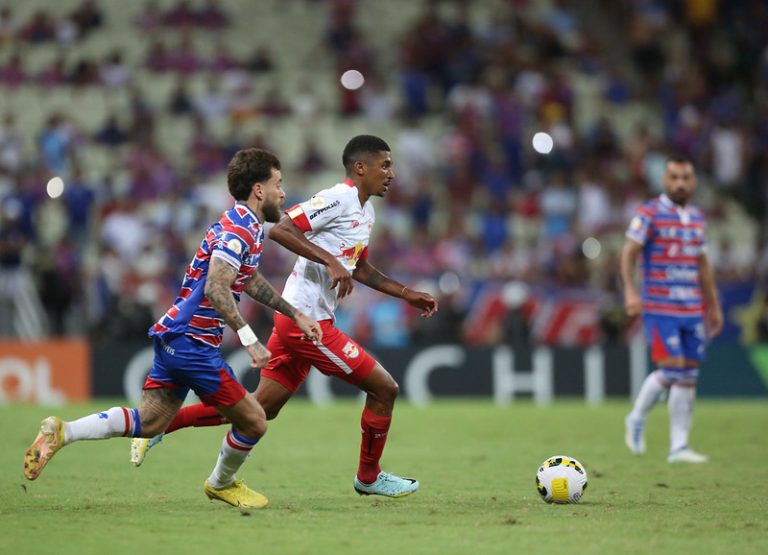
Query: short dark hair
678, 158
249, 166
360, 145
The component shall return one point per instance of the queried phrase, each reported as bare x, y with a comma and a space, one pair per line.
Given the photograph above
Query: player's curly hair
249, 166
362, 145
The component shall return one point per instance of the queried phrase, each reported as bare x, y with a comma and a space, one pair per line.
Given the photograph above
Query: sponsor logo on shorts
673, 341
350, 350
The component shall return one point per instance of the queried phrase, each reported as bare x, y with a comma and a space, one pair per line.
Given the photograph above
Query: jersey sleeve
317, 213
230, 247
704, 245
640, 226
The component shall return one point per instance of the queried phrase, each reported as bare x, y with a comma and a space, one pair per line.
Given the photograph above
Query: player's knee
388, 390
152, 424
254, 427
272, 411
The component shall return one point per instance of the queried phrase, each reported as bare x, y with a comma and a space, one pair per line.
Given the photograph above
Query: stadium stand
138, 106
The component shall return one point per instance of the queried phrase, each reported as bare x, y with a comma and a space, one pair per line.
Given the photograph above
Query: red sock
375, 430
195, 415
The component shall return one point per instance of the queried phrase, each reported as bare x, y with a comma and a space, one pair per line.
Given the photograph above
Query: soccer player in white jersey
188, 336
330, 233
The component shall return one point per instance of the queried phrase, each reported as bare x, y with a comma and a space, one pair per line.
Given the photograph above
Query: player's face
679, 181
379, 173
274, 196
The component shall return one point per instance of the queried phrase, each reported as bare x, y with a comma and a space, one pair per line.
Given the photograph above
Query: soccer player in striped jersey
330, 233
187, 339
679, 305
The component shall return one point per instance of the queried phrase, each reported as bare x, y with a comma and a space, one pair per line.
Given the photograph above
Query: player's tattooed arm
259, 289
262, 291
218, 291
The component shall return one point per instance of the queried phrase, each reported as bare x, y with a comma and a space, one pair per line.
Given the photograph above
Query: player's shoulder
696, 212
649, 208
339, 194
241, 221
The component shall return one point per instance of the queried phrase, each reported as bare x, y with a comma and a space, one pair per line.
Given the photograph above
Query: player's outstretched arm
714, 313
292, 238
259, 289
218, 291
368, 275
632, 301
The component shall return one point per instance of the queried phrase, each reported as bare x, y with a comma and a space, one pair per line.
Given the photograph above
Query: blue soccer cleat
388, 485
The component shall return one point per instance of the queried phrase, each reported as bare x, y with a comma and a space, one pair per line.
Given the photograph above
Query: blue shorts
181, 364
670, 337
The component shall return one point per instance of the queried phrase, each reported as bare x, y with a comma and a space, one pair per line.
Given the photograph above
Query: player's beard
679, 196
272, 213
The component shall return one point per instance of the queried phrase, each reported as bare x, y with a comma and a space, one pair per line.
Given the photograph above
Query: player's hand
311, 329
632, 303
426, 302
341, 277
714, 320
260, 355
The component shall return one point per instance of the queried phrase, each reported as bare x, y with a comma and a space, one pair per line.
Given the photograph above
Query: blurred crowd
476, 208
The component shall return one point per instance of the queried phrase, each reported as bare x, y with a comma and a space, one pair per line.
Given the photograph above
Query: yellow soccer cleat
46, 444
236, 494
140, 446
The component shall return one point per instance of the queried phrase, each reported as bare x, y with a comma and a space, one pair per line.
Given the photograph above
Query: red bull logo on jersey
351, 350
352, 254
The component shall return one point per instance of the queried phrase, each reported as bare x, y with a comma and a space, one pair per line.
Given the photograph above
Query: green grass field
476, 463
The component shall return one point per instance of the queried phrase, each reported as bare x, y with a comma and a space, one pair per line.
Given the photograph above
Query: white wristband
246, 335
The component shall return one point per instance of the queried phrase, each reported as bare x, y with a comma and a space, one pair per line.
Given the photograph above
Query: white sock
649, 395
234, 450
680, 407
117, 421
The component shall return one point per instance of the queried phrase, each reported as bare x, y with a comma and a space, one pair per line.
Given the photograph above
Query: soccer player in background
679, 304
330, 233
187, 339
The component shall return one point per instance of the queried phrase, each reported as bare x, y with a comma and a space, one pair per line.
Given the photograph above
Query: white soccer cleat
686, 454
634, 434
388, 485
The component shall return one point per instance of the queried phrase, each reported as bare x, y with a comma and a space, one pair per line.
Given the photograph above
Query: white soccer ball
561, 479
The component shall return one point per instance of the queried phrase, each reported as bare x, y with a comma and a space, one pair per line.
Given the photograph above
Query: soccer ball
561, 479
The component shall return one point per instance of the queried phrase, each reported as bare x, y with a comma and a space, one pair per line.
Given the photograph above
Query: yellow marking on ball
560, 490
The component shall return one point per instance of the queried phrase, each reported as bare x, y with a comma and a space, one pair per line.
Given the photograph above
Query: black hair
362, 145
678, 158
249, 166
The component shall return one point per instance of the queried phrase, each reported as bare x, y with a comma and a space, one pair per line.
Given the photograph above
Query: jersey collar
347, 181
682, 211
248, 208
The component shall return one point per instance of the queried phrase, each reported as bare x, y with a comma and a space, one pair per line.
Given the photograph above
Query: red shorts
292, 355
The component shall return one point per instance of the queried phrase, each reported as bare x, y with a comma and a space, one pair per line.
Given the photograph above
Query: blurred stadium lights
449, 283
352, 79
55, 187
543, 142
591, 248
